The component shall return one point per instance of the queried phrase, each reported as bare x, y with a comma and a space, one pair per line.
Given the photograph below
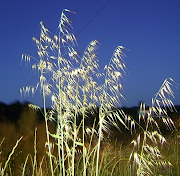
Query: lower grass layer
114, 152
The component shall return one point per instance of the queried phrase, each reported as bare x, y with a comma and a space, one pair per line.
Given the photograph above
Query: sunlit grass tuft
71, 82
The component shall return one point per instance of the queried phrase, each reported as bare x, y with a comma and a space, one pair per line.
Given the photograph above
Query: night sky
149, 29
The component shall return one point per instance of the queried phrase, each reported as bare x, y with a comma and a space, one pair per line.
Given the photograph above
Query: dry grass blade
9, 157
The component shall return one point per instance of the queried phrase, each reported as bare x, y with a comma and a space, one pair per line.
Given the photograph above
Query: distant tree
10, 112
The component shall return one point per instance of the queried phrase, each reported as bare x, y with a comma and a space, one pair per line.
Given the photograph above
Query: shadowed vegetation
117, 145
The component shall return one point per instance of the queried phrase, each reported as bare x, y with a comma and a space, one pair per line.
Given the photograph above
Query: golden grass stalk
9, 157
24, 166
109, 96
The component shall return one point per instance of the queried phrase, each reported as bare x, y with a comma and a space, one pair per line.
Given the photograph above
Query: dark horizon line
25, 103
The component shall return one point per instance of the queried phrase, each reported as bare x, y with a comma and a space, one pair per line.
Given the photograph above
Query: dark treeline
11, 112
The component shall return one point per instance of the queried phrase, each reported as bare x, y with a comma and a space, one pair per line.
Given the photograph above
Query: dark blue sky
150, 29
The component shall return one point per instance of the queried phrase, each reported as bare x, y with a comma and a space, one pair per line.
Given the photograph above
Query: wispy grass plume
71, 83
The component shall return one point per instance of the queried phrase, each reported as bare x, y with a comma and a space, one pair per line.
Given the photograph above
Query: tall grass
72, 84
146, 152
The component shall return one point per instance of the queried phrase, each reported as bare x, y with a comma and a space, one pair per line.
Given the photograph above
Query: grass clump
75, 92
146, 153
71, 82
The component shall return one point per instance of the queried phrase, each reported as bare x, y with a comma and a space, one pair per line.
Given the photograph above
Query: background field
18, 120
